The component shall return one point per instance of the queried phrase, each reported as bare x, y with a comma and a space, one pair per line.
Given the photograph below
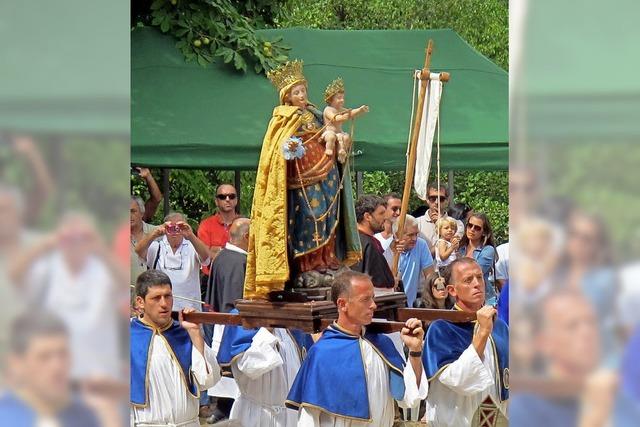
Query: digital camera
173, 229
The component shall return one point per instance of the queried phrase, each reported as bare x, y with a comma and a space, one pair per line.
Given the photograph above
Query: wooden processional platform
310, 316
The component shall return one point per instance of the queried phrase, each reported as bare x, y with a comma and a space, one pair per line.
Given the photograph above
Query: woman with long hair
435, 293
478, 243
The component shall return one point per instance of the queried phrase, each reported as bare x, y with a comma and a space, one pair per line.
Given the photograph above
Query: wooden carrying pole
379, 326
411, 161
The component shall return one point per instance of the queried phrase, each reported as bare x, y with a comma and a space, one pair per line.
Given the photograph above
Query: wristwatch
415, 353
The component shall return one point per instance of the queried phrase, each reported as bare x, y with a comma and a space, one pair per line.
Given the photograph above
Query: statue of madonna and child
303, 224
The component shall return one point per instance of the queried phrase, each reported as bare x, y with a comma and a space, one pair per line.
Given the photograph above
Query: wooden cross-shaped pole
411, 160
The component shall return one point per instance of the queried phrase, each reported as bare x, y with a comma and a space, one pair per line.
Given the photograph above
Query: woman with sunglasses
478, 243
435, 294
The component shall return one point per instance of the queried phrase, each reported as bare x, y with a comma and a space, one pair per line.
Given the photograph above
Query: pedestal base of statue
306, 316
315, 294
388, 304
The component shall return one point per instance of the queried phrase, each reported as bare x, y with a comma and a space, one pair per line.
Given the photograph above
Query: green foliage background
483, 24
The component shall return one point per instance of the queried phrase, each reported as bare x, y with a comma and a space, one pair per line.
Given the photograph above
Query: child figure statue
334, 115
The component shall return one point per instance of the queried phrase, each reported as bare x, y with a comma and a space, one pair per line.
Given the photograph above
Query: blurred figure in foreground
39, 368
570, 344
74, 274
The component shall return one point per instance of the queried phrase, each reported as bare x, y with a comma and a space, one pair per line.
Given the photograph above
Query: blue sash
141, 338
446, 341
236, 340
337, 359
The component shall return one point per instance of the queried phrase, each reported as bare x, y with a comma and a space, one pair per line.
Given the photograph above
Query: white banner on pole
428, 124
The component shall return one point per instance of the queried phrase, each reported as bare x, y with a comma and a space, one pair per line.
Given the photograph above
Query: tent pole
166, 188
358, 184
237, 184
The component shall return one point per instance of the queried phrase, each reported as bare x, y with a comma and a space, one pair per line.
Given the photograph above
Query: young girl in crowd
447, 244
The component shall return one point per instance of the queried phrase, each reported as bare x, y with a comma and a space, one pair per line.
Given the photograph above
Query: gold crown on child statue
286, 74
334, 87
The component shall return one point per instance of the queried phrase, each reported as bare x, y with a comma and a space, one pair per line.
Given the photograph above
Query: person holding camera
174, 249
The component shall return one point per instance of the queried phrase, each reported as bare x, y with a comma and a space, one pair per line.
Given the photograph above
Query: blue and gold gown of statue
318, 201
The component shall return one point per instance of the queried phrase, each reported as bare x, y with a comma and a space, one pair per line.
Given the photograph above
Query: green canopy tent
577, 84
65, 75
188, 116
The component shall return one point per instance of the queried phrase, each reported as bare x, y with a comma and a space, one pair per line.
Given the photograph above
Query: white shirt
234, 248
264, 373
182, 267
452, 256
170, 401
381, 407
502, 265
226, 387
386, 247
428, 232
455, 395
84, 301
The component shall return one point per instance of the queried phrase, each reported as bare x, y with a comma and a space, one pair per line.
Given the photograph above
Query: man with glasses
214, 230
174, 249
438, 202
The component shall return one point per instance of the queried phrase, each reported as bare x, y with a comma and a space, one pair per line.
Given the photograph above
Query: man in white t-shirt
174, 249
394, 204
502, 265
438, 202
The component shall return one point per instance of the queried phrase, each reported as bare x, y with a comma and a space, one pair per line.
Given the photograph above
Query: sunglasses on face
433, 199
395, 209
475, 227
226, 196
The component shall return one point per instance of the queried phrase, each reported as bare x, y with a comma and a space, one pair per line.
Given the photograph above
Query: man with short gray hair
467, 363
416, 261
175, 249
139, 229
352, 376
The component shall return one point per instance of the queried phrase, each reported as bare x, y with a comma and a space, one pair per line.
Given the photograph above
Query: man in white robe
264, 363
467, 363
170, 363
351, 377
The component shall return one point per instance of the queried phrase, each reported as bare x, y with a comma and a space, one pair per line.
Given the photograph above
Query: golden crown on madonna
287, 74
334, 87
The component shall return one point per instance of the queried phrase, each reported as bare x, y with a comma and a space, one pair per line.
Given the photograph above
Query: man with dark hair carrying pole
170, 363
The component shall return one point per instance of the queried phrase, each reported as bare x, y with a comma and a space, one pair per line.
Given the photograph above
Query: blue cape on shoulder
141, 338
446, 341
335, 359
236, 340
16, 412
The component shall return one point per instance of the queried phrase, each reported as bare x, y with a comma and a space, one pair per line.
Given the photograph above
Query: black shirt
226, 282
374, 263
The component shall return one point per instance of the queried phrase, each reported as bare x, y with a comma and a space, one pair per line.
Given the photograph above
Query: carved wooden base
306, 316
315, 294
